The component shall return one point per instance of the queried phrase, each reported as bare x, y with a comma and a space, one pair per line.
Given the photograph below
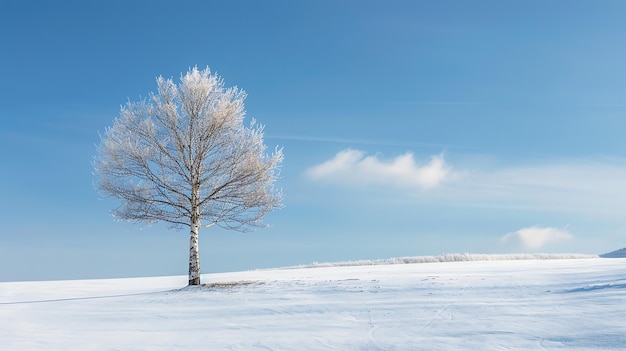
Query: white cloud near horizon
593, 187
536, 237
353, 167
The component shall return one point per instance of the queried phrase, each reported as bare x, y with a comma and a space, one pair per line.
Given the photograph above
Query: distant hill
621, 253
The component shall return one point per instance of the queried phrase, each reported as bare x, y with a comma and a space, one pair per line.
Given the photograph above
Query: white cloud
536, 237
353, 167
592, 187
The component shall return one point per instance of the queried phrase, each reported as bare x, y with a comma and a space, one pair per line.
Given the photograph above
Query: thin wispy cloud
358, 141
595, 187
536, 237
602, 105
462, 103
508, 103
353, 167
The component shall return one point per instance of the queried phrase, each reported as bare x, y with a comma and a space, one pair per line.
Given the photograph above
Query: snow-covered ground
569, 304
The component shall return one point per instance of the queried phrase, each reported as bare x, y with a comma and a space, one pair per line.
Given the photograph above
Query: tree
185, 157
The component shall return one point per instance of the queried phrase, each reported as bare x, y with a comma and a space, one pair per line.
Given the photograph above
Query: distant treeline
448, 258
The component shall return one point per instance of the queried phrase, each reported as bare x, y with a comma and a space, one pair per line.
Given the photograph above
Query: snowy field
568, 304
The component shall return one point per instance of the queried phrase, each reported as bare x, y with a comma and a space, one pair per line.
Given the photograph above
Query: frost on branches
185, 157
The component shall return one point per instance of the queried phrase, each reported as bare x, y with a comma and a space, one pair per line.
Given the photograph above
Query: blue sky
408, 127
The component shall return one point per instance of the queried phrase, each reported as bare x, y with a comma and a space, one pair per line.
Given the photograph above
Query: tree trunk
194, 256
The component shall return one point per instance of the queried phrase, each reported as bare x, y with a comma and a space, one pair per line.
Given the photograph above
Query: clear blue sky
409, 127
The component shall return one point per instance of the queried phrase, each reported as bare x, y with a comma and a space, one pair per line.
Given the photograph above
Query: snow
567, 304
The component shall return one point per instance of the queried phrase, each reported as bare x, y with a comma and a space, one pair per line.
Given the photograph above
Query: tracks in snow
441, 311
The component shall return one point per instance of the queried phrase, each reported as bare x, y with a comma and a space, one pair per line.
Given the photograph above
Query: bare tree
185, 157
